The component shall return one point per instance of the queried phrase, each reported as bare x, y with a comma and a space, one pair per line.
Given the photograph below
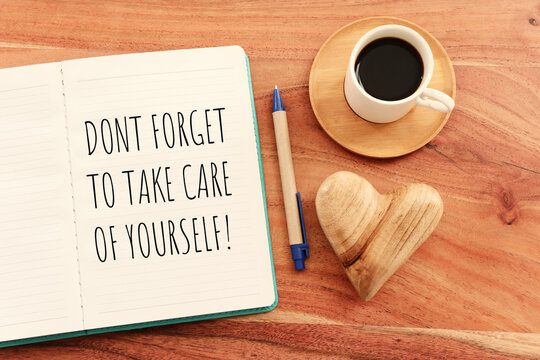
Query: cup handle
436, 100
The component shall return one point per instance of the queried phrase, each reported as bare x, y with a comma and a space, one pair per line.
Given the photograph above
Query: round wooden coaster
398, 138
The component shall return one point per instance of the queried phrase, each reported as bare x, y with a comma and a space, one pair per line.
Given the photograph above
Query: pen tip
278, 104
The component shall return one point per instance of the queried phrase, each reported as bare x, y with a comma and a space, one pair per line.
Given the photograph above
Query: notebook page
168, 195
39, 285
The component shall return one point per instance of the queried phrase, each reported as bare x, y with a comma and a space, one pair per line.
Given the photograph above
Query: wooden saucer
398, 138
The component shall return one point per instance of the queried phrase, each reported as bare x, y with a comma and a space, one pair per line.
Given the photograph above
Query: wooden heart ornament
374, 234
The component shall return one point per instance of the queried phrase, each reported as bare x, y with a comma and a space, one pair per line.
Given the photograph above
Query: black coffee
389, 69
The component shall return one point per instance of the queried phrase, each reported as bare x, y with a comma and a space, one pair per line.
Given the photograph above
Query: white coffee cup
383, 111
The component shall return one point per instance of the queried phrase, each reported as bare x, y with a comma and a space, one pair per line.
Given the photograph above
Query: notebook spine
72, 192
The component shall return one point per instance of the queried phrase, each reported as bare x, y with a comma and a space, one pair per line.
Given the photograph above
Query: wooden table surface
471, 291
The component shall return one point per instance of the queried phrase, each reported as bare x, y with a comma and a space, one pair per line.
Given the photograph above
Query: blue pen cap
300, 252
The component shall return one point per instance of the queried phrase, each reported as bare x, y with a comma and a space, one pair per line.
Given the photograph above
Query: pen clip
302, 224
300, 252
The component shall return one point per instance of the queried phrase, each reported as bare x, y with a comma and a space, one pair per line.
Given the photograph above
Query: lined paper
39, 284
122, 286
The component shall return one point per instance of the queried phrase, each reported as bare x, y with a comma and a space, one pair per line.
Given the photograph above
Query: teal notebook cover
190, 318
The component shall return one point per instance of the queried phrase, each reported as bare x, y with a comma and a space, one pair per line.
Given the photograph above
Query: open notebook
131, 194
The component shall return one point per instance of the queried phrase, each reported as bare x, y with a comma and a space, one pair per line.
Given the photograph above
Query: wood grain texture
374, 234
341, 123
472, 291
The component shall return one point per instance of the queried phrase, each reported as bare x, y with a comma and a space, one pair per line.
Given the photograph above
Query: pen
291, 198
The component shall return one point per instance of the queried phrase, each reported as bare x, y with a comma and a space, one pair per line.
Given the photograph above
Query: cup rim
362, 43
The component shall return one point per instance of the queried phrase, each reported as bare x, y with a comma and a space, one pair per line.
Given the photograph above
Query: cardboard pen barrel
288, 183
